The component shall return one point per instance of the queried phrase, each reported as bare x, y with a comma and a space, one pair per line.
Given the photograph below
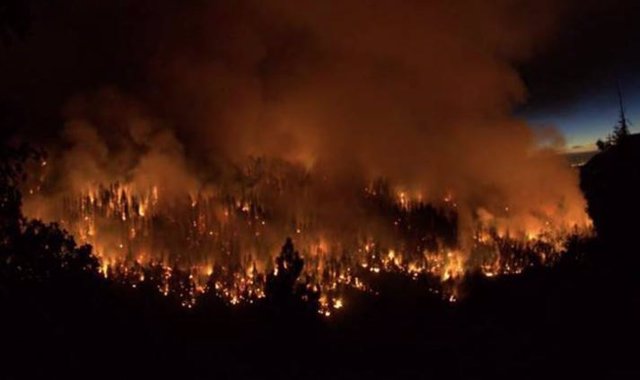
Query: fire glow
278, 120
226, 243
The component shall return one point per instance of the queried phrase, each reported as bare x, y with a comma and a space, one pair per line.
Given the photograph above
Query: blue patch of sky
591, 118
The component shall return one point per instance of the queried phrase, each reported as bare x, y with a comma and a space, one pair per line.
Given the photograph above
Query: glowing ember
227, 245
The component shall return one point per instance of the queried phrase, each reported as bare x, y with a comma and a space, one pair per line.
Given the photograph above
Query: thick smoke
177, 94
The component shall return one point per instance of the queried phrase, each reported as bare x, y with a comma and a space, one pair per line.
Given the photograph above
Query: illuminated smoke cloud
335, 93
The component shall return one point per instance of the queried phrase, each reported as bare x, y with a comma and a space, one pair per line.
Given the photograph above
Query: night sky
572, 84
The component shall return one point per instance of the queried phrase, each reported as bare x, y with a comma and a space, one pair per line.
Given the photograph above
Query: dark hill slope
611, 184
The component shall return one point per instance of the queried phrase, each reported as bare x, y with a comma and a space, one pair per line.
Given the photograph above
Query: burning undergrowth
226, 239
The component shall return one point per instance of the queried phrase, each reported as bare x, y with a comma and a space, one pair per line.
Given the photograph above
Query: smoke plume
180, 95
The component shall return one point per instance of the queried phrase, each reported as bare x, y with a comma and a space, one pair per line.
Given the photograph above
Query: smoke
109, 138
178, 95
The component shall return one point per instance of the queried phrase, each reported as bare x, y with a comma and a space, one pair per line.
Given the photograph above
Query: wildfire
227, 245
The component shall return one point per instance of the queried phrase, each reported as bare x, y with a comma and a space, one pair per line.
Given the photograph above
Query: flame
231, 246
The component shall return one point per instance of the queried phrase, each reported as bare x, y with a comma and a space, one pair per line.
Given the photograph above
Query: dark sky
570, 78
572, 83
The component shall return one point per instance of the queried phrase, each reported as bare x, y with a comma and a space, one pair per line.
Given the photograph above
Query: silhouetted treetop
611, 184
288, 266
31, 249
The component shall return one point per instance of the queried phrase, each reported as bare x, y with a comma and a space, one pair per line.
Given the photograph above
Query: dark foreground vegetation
61, 319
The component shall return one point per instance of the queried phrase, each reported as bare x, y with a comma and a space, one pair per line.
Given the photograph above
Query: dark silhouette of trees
611, 184
288, 267
12, 174
620, 129
30, 249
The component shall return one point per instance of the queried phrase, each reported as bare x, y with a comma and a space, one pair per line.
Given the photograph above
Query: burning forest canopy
380, 136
